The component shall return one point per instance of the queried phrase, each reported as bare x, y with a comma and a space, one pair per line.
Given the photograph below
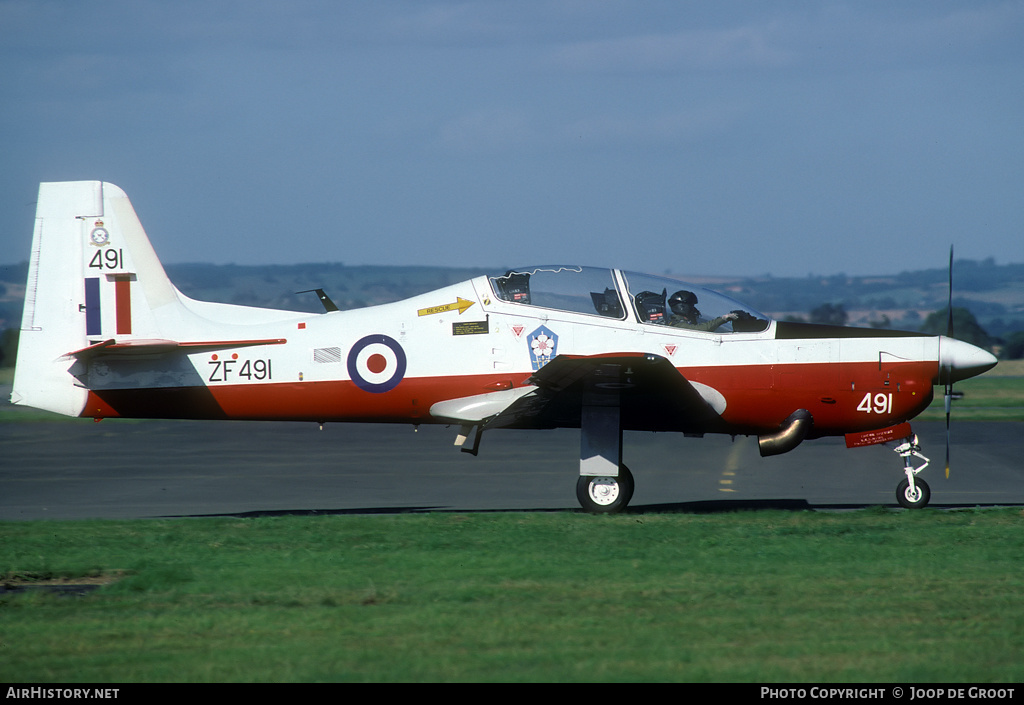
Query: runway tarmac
78, 469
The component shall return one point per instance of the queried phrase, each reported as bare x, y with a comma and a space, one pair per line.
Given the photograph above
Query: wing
652, 395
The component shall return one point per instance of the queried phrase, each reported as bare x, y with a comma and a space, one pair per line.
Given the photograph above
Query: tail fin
93, 281
89, 256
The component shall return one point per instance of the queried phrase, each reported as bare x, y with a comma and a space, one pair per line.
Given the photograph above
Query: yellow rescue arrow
460, 304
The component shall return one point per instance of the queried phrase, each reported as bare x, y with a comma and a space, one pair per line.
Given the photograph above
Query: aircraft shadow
707, 507
721, 506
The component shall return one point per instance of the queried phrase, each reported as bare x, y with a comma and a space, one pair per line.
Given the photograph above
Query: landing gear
605, 485
912, 493
605, 495
913, 497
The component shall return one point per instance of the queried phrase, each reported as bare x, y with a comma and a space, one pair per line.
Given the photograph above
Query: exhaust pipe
794, 429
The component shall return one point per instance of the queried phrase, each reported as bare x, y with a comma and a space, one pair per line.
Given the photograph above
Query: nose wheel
913, 497
912, 493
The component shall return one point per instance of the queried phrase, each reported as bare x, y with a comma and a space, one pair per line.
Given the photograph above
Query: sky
705, 138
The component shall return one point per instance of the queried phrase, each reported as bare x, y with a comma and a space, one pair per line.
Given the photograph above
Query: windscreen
671, 302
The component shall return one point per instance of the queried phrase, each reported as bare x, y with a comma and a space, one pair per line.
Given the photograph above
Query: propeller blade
949, 399
949, 305
949, 373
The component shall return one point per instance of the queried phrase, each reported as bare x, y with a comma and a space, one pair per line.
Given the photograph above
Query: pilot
685, 313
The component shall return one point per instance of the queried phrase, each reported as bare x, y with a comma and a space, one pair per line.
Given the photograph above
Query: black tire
907, 499
605, 495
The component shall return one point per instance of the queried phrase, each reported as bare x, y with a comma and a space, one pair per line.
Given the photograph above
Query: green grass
874, 595
997, 395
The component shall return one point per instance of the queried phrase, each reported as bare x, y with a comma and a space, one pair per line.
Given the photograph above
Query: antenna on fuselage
324, 299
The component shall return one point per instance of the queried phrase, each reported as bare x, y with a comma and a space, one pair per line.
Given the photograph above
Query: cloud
836, 36
486, 130
680, 125
741, 47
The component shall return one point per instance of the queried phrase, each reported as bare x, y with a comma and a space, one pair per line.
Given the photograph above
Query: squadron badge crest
99, 236
543, 346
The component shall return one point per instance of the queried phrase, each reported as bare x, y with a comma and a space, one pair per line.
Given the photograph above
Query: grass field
868, 596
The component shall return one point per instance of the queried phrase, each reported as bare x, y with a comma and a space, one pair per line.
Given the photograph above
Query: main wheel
605, 495
913, 499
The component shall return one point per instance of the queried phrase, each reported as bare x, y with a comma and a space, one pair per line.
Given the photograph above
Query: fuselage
392, 363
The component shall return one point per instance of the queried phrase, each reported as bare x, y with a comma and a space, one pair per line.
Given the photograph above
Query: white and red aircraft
106, 334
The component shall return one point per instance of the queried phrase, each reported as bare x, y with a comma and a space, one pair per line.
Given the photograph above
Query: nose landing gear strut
912, 493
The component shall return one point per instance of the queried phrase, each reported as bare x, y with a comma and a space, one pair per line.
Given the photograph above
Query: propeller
949, 370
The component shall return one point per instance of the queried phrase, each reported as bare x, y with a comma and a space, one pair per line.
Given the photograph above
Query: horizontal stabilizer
163, 347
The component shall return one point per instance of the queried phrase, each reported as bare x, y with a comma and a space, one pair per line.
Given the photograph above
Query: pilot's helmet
682, 302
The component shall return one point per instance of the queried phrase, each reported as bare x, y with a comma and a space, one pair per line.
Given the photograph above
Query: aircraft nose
962, 360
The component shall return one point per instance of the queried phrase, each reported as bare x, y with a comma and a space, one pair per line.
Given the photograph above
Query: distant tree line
8, 347
965, 327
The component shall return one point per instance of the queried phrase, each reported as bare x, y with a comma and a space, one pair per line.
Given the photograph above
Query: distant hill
993, 293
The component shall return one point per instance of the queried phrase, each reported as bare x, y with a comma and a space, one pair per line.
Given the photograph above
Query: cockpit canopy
657, 301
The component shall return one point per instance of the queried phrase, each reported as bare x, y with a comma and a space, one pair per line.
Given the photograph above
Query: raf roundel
376, 363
